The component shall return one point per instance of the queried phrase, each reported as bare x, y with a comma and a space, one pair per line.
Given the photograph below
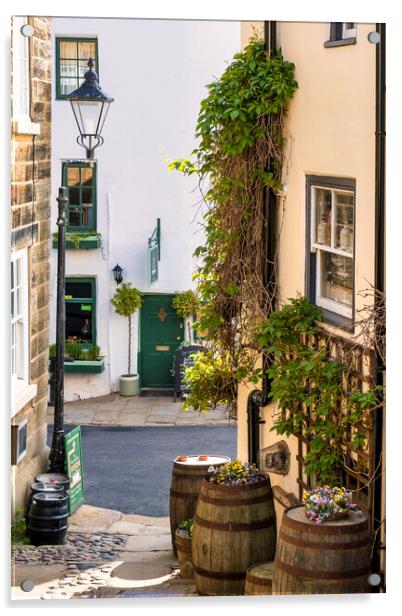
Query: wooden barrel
327, 558
259, 579
183, 546
234, 528
48, 519
187, 476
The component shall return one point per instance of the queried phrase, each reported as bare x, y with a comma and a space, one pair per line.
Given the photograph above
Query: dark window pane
22, 439
78, 324
73, 217
79, 289
86, 196
74, 196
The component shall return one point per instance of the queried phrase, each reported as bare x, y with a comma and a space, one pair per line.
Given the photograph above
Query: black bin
48, 519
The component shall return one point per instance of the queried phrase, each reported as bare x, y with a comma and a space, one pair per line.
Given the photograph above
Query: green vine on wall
240, 128
316, 396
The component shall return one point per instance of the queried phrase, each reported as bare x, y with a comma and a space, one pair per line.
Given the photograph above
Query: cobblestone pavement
106, 554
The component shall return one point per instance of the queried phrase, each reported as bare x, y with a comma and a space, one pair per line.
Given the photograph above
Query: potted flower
126, 301
325, 503
183, 545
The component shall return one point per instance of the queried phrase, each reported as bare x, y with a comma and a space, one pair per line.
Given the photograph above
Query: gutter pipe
259, 397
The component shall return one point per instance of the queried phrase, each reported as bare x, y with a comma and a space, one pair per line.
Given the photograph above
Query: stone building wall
30, 222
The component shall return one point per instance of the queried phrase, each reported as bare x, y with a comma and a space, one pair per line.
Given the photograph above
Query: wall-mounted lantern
117, 273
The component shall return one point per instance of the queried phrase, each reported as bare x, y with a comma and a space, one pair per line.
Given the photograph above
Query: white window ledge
24, 126
21, 395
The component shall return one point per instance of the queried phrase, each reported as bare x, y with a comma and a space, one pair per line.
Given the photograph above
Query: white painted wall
157, 72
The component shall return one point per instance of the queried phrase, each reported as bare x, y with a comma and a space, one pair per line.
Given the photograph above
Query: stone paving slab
90, 519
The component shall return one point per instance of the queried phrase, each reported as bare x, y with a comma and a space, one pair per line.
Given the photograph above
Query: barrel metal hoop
258, 580
235, 501
187, 495
233, 526
316, 545
320, 575
219, 575
324, 529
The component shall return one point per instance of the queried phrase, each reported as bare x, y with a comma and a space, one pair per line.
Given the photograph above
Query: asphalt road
130, 469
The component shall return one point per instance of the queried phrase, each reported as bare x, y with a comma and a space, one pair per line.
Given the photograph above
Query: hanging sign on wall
154, 253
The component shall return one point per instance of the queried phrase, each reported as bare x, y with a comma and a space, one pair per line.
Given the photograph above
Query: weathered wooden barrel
328, 558
48, 519
234, 528
259, 579
183, 546
187, 476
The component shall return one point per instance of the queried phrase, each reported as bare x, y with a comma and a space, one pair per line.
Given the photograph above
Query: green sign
154, 253
73, 454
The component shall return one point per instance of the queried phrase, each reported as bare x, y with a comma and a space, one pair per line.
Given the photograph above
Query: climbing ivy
239, 129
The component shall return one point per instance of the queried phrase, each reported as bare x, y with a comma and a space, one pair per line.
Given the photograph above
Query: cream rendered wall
157, 71
330, 131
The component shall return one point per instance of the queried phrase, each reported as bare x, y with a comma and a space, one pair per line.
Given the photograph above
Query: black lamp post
118, 273
90, 106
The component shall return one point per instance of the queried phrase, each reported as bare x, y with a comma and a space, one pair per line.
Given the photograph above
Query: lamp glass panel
87, 115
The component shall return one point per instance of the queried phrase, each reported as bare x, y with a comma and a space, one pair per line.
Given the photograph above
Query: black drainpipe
379, 257
259, 398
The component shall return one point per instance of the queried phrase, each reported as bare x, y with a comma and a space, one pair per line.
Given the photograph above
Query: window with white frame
22, 391
331, 215
21, 94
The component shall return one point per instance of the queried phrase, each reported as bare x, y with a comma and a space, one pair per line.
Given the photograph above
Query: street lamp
90, 106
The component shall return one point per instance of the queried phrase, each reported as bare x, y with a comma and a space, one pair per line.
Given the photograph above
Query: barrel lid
41, 485
52, 478
45, 496
261, 569
296, 517
202, 460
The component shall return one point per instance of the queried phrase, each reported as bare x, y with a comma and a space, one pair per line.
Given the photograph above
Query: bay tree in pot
126, 301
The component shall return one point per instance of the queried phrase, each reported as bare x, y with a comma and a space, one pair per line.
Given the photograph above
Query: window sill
25, 126
336, 321
89, 242
21, 395
79, 366
341, 42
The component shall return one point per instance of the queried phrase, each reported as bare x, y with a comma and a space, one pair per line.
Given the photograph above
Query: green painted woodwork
84, 366
161, 332
80, 179
87, 242
72, 55
79, 292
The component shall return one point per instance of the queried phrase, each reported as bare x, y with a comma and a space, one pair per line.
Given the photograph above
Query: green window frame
81, 311
72, 55
80, 179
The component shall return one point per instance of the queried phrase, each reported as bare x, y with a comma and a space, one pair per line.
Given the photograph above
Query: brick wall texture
30, 228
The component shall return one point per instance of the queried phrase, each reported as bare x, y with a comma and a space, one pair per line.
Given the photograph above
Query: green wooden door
161, 333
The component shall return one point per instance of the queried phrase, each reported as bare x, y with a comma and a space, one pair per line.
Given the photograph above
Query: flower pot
129, 385
183, 546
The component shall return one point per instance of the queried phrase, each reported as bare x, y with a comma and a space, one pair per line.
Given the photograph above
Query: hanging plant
240, 127
186, 304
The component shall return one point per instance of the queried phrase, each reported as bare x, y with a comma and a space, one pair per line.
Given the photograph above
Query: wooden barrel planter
259, 579
48, 519
187, 476
234, 528
183, 546
327, 558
